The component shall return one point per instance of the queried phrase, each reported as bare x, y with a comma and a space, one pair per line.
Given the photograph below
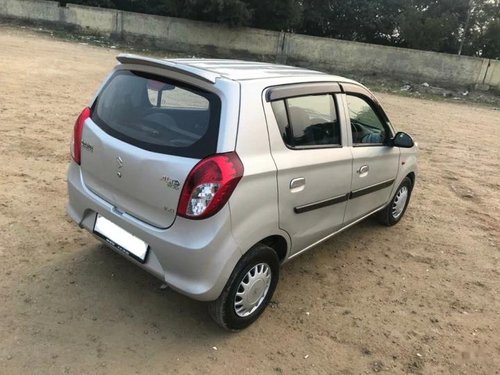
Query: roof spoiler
207, 76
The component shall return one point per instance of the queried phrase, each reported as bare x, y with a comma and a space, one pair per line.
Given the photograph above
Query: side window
366, 126
308, 121
170, 96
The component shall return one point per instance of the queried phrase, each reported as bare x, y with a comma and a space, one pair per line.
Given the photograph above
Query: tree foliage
469, 26
371, 21
433, 25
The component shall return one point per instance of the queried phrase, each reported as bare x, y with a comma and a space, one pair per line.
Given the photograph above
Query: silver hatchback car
210, 174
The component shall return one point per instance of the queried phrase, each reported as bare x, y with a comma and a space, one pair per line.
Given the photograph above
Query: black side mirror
403, 140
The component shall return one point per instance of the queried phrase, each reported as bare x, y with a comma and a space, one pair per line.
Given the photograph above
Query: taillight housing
209, 186
76, 141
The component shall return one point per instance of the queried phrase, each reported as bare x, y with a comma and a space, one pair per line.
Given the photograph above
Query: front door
375, 165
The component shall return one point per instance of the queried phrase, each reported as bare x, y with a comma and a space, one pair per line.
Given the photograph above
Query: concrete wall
196, 38
42, 10
492, 74
99, 20
391, 61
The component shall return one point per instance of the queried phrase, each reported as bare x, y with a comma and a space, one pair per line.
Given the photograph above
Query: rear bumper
193, 257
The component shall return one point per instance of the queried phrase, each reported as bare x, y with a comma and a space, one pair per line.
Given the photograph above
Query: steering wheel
358, 132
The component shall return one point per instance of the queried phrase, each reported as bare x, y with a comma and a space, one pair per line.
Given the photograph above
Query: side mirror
403, 140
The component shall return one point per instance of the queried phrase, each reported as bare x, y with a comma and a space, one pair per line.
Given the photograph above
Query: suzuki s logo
119, 162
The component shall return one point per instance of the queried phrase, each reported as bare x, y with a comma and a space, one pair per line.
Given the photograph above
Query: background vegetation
469, 27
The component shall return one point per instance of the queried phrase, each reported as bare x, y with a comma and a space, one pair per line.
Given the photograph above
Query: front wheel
395, 210
248, 290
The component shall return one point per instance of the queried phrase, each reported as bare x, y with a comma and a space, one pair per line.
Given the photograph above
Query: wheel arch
279, 244
412, 177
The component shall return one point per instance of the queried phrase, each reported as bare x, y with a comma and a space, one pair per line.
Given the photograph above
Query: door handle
297, 184
363, 170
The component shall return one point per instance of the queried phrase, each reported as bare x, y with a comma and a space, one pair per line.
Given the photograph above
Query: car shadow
113, 290
100, 292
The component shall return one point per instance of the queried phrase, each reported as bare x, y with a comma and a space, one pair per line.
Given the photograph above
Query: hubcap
399, 202
252, 290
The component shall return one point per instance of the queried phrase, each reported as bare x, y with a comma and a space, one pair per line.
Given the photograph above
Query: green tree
92, 3
433, 25
372, 21
489, 43
275, 14
482, 37
316, 17
230, 12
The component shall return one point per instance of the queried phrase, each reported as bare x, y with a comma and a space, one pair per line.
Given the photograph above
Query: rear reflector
209, 186
76, 141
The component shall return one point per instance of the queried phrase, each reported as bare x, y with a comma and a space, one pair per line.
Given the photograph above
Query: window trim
302, 89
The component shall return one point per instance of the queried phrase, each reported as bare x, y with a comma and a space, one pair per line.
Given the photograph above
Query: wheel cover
252, 290
399, 202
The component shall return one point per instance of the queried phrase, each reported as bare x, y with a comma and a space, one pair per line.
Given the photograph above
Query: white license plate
120, 239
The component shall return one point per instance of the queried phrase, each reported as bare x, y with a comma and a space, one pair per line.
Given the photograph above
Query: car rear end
153, 165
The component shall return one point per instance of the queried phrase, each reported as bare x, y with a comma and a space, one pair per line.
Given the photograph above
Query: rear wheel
248, 290
395, 210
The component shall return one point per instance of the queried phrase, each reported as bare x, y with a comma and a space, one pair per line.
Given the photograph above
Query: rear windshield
159, 114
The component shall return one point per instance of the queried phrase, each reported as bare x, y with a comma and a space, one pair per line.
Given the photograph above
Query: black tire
387, 216
223, 310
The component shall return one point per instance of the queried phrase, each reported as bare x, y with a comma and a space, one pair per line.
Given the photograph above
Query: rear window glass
159, 114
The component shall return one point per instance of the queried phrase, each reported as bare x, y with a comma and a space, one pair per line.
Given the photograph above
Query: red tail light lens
209, 186
76, 141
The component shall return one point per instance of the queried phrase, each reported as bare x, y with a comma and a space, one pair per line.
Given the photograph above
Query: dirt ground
421, 297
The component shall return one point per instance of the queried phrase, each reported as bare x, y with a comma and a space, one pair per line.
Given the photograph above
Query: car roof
236, 70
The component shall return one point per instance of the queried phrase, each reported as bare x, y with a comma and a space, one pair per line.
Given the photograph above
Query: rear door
313, 168
145, 134
375, 164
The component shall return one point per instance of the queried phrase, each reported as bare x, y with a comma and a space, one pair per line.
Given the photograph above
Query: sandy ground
421, 297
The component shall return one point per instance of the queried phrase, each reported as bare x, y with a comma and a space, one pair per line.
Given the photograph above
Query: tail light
209, 186
76, 141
